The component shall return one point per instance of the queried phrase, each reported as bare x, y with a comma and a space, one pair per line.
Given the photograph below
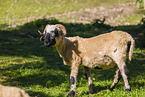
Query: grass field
15, 10
27, 64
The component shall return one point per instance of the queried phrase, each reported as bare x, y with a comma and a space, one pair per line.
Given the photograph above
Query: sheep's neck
60, 46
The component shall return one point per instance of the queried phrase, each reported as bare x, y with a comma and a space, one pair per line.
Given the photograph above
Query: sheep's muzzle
49, 40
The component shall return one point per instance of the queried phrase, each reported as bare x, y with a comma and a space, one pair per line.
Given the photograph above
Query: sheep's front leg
88, 76
116, 79
73, 77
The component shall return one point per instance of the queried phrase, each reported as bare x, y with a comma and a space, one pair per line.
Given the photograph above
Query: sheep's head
51, 32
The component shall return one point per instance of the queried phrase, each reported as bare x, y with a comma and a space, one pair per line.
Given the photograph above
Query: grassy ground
15, 10
22, 11
27, 64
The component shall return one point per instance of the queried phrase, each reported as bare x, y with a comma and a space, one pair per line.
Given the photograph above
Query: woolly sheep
100, 52
7, 91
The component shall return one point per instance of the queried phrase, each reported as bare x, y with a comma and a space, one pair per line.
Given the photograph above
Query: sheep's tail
132, 44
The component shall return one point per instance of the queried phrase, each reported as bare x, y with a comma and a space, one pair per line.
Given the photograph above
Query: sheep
99, 52
7, 91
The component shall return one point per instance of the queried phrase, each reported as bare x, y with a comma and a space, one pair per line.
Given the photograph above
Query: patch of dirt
111, 14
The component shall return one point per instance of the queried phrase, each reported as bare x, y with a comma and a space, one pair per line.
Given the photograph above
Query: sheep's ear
46, 28
62, 28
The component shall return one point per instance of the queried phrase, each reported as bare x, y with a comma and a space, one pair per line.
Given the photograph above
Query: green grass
21, 11
27, 64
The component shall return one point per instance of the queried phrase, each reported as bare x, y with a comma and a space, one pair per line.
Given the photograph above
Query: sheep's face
51, 32
49, 35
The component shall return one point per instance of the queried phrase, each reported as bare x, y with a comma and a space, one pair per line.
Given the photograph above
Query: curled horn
40, 33
62, 28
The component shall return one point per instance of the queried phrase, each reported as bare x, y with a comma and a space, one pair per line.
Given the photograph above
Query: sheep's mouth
49, 40
48, 44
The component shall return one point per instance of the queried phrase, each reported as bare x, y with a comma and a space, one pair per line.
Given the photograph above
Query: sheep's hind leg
116, 79
124, 72
88, 76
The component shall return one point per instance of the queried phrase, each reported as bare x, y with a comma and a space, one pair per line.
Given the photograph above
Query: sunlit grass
22, 11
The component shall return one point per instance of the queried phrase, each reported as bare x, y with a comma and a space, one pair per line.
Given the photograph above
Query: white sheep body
101, 51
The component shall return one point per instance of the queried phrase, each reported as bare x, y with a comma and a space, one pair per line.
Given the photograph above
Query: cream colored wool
101, 51
7, 91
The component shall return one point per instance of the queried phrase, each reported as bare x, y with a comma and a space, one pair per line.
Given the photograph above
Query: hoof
91, 88
91, 92
111, 89
127, 90
71, 94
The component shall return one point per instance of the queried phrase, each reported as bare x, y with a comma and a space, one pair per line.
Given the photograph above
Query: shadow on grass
23, 41
36, 73
38, 94
137, 66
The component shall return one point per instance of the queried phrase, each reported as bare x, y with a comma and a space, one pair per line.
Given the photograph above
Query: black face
49, 38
